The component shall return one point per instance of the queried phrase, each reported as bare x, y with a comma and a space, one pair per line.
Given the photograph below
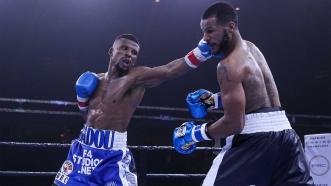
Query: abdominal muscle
106, 120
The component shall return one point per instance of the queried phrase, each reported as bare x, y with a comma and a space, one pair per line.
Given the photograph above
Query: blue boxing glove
86, 85
187, 135
199, 101
194, 102
200, 54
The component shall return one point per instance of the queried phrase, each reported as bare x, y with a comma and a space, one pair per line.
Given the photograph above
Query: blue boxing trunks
98, 158
267, 152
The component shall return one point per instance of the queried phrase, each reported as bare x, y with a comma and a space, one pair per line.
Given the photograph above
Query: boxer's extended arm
150, 77
233, 99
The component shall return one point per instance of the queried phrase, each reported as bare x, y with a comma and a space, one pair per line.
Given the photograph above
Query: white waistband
103, 139
266, 122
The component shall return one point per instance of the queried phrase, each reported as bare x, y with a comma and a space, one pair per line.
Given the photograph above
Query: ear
232, 26
110, 51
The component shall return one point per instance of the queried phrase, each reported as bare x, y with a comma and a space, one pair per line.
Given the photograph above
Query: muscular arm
151, 77
233, 98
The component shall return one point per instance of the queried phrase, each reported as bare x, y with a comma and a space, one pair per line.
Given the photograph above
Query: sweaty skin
122, 88
244, 77
258, 84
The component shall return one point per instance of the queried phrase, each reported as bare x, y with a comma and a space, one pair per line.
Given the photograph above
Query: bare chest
114, 95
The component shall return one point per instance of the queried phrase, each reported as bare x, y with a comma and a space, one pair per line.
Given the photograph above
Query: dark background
46, 44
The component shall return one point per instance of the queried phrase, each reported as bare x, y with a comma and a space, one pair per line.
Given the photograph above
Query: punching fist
187, 135
85, 87
200, 54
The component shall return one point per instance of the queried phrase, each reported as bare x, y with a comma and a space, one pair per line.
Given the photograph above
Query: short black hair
129, 37
223, 13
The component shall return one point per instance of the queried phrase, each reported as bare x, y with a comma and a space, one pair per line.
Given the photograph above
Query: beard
121, 71
224, 43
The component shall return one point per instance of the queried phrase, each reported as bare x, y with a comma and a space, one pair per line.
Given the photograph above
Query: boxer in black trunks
261, 147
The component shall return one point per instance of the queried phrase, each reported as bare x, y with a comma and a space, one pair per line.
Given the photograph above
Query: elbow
239, 126
226, 127
237, 119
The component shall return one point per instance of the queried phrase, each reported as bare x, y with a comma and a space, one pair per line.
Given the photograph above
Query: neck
235, 41
113, 72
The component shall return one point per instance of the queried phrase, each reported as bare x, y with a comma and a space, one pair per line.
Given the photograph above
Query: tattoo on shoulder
222, 73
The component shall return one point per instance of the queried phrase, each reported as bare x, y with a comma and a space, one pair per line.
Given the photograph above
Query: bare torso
122, 88
113, 103
258, 83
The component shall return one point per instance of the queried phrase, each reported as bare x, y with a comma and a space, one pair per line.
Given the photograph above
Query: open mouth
126, 62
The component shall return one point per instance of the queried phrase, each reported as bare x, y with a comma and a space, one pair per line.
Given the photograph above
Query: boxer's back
259, 85
269, 82
257, 80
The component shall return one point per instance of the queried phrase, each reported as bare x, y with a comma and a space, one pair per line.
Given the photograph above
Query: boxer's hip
102, 139
98, 157
266, 122
264, 146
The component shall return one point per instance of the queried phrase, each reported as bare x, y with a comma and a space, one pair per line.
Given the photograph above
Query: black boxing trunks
267, 152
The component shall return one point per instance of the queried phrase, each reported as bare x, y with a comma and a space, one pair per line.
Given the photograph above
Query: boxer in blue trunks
261, 147
107, 101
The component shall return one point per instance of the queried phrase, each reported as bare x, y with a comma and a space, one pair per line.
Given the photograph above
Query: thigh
70, 171
249, 161
292, 167
119, 172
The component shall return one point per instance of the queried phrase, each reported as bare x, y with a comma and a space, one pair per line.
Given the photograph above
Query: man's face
124, 54
213, 34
